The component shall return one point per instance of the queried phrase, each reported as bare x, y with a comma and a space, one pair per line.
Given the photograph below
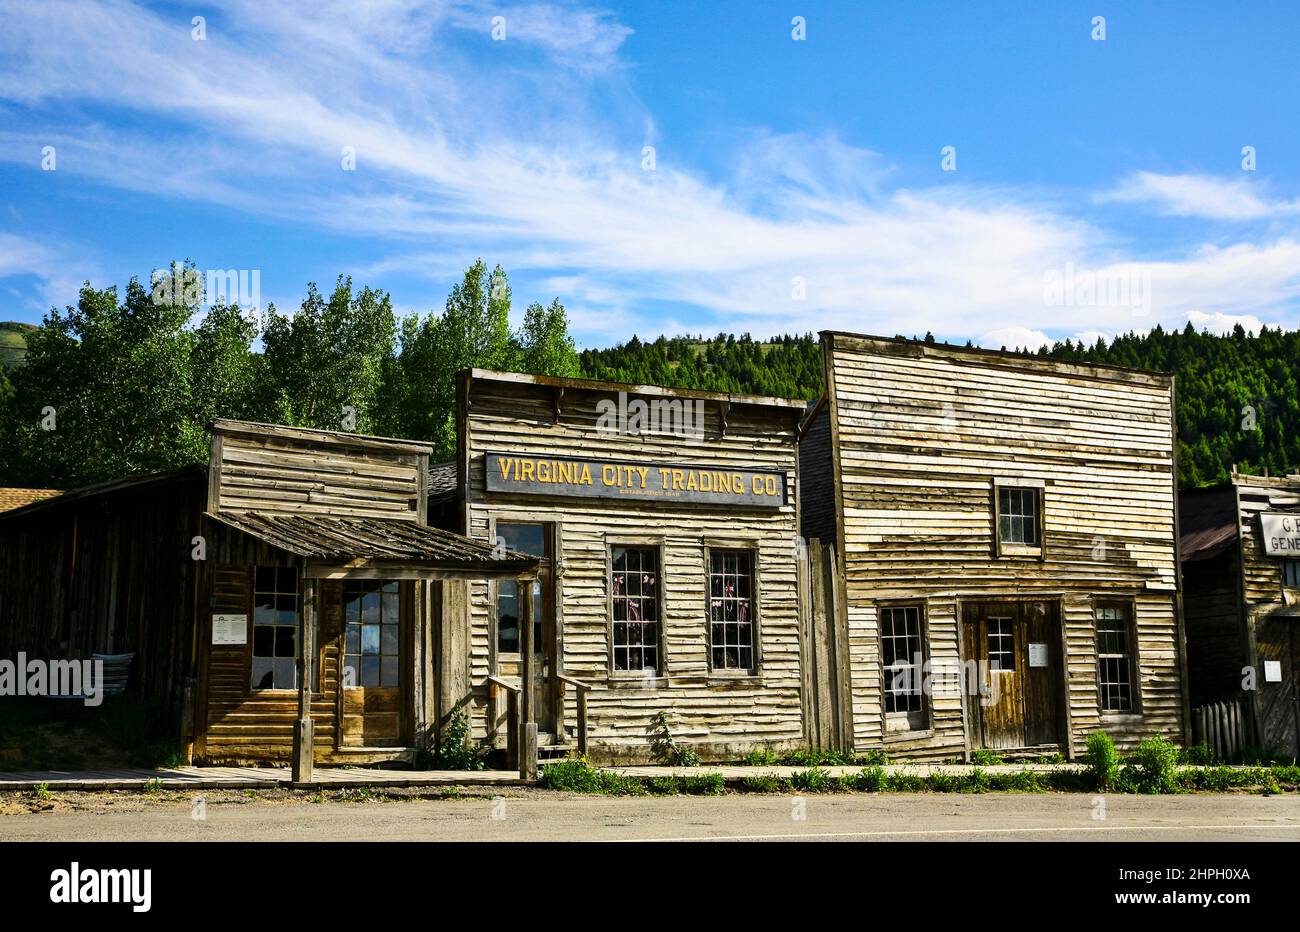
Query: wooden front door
1016, 645
374, 668
535, 539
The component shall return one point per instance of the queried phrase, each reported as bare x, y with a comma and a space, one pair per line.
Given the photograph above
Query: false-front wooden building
665, 524
1241, 575
1004, 530
290, 594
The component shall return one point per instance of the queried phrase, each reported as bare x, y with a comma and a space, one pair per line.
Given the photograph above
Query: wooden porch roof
378, 542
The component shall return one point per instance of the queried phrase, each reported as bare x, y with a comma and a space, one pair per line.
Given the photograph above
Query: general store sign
1281, 533
658, 482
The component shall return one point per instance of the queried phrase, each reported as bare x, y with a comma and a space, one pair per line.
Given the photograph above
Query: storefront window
275, 628
372, 637
731, 610
521, 538
634, 589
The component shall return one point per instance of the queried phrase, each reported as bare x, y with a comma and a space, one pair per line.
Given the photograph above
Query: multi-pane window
1114, 657
1291, 574
1018, 516
275, 628
900, 647
731, 610
371, 637
522, 538
1002, 644
634, 589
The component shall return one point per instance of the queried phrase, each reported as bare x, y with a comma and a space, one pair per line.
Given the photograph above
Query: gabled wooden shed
288, 595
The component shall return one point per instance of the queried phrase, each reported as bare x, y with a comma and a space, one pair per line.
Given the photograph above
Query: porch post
304, 730
527, 721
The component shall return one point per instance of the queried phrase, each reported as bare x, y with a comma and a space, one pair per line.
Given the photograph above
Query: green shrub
661, 786
812, 780
1198, 754
876, 757
664, 747
760, 757
574, 775
702, 784
904, 783
455, 750
816, 757
1103, 761
977, 781
983, 757
867, 780
1020, 781
1152, 767
763, 783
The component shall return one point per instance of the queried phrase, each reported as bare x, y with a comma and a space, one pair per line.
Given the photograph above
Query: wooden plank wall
920, 433
1271, 623
108, 574
317, 473
722, 716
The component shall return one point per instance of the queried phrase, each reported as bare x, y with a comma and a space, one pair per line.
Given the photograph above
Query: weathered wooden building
1240, 552
290, 594
665, 523
1004, 570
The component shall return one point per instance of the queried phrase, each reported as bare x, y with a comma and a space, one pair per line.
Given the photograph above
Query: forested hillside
1237, 393
122, 384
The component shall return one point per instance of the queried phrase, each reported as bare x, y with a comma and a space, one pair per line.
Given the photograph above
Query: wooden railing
495, 687
582, 689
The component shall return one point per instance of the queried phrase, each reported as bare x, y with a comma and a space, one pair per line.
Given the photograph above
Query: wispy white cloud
1214, 198
528, 151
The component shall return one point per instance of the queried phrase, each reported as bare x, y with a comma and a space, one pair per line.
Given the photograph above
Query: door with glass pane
535, 539
373, 669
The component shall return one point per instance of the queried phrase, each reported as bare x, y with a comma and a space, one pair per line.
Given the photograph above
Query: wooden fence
1226, 726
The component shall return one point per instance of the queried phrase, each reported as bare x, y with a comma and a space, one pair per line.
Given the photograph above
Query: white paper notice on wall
1272, 671
229, 629
1037, 655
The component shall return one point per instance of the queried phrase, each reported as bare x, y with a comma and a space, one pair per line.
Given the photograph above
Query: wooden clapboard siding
722, 715
919, 433
288, 470
1271, 623
108, 570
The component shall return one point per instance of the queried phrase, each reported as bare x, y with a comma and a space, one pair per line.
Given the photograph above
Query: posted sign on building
667, 481
1281, 534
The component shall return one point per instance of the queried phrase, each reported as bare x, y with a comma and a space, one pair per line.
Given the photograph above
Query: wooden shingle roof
17, 498
376, 541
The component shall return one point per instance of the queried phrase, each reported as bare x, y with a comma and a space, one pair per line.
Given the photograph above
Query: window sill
1014, 551
623, 680
1121, 718
735, 677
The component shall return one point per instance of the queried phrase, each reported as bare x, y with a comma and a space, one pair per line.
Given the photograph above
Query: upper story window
1018, 510
275, 628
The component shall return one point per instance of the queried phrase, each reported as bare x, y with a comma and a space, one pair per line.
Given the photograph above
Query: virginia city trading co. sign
584, 478
1281, 533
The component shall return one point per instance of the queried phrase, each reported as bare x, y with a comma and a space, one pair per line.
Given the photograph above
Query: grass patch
812, 780
983, 757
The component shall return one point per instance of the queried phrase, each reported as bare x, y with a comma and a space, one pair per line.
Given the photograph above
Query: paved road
537, 816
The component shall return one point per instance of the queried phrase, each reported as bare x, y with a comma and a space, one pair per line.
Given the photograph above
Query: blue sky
797, 184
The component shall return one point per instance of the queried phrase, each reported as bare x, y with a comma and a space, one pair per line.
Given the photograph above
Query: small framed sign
1281, 532
230, 629
1037, 655
1272, 671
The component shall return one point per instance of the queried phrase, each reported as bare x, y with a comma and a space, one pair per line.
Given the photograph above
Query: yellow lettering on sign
526, 470
544, 471
692, 483
607, 475
643, 470
504, 465
586, 475
677, 479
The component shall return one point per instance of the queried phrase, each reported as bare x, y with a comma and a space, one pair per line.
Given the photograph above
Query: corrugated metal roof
1207, 522
17, 498
380, 540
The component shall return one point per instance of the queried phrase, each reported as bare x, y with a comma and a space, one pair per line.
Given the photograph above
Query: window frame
296, 627
921, 720
401, 633
635, 677
1292, 587
548, 574
1003, 549
1129, 607
750, 548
